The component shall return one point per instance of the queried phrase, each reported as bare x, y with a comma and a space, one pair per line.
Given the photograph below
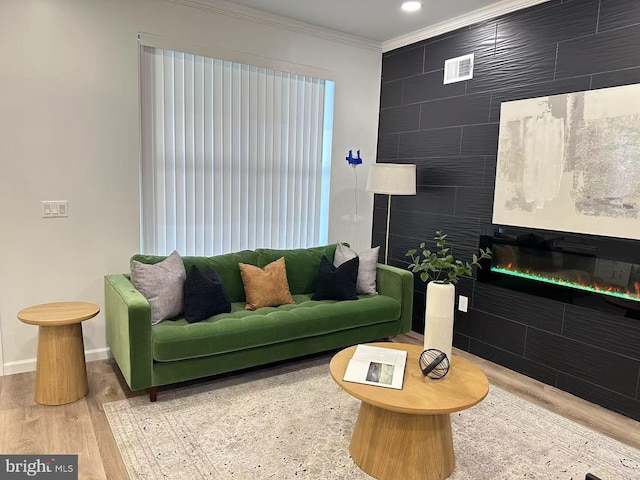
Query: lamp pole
386, 245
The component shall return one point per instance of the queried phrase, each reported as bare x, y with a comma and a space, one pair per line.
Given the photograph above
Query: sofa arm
397, 283
128, 322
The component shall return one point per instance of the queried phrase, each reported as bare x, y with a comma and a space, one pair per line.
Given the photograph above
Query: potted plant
442, 271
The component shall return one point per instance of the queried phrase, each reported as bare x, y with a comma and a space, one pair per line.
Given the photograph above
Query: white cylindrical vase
438, 327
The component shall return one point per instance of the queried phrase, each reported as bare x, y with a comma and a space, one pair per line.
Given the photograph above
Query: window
234, 156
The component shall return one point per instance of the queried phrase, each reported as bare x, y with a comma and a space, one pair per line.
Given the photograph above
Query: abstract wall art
571, 163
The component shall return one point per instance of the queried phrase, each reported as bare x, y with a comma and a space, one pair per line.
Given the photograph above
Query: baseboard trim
29, 365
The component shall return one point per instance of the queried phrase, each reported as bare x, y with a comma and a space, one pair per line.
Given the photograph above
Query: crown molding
221, 7
477, 16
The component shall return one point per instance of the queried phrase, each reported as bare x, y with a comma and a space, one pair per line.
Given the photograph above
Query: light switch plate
463, 303
54, 208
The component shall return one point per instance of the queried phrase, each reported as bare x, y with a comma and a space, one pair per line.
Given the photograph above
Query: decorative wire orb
434, 363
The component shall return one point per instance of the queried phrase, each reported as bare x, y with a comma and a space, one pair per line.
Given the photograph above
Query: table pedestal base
391, 445
61, 374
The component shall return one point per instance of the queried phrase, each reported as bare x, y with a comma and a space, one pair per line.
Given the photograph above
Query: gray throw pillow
366, 283
162, 285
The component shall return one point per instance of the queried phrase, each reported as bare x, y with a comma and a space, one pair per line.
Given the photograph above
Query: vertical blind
234, 156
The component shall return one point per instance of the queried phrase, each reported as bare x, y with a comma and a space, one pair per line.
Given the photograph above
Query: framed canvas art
571, 163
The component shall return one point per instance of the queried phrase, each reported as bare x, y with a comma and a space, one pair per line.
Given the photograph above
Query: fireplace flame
579, 283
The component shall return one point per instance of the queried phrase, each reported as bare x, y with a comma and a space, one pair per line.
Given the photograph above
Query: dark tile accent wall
515, 362
616, 14
554, 87
405, 65
606, 369
611, 333
479, 39
616, 78
399, 119
479, 140
428, 86
497, 331
430, 143
452, 111
451, 133
449, 172
547, 315
610, 50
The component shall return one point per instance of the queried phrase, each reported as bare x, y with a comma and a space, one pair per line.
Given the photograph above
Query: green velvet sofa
174, 350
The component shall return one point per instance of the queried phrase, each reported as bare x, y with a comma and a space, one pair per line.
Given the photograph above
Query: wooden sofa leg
153, 394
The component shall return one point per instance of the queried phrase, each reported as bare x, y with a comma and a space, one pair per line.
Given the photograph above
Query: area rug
293, 421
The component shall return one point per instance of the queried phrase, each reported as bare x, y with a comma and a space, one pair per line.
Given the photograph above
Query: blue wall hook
354, 161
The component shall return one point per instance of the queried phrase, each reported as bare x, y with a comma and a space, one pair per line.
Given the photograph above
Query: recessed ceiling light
411, 6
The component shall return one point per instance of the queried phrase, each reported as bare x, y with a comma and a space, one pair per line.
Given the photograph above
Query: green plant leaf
441, 265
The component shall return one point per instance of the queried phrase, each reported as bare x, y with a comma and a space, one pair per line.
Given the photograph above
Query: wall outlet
463, 303
54, 208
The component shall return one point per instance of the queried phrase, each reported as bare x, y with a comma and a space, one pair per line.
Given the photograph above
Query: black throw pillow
204, 295
337, 283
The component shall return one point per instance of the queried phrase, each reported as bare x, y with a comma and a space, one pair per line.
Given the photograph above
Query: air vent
458, 69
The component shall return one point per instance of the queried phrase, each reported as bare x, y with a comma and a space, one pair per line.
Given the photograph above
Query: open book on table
382, 367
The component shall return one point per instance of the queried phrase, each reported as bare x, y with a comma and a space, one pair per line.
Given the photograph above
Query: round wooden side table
61, 374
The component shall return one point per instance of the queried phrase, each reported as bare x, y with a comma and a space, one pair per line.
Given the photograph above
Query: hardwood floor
81, 427
76, 428
619, 427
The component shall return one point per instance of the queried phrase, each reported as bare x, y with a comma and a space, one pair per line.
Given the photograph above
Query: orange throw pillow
266, 287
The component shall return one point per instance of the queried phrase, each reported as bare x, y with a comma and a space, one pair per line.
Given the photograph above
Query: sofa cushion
366, 269
337, 283
225, 265
302, 265
266, 287
243, 329
161, 284
204, 295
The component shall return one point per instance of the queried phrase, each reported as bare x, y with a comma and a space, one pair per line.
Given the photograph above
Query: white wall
69, 130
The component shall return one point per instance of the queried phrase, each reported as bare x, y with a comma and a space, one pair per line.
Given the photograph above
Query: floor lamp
391, 179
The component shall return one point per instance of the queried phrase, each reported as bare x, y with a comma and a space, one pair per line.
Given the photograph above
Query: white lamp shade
392, 179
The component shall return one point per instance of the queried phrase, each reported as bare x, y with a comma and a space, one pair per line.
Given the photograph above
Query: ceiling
377, 20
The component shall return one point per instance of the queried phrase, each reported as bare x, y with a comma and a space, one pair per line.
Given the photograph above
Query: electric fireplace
597, 272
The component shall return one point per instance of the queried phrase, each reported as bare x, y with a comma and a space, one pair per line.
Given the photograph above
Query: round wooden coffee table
407, 433
61, 375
